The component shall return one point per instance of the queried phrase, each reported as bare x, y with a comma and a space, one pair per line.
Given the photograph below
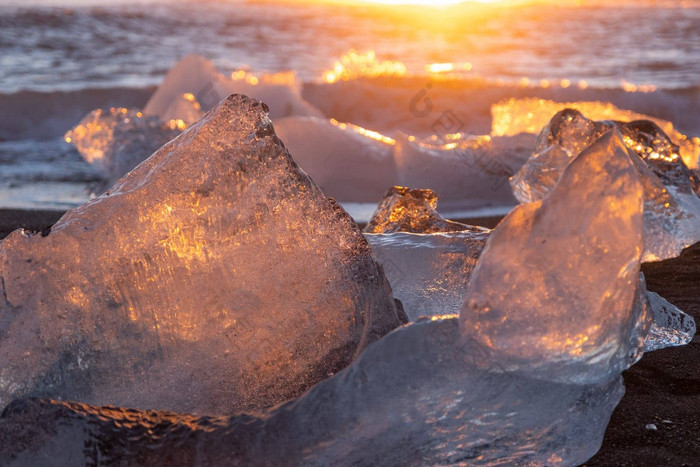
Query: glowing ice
508, 382
529, 115
672, 206
199, 77
215, 277
411, 210
117, 140
348, 162
556, 298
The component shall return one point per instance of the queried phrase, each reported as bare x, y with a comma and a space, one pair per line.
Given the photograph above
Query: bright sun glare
423, 2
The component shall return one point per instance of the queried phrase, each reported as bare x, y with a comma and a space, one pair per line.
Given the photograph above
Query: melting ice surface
215, 277
473, 390
672, 205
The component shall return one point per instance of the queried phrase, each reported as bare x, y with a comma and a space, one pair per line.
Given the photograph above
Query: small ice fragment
651, 427
671, 326
412, 210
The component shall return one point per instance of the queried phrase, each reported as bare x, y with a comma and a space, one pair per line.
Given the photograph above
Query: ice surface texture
672, 206
199, 77
412, 210
415, 397
118, 139
215, 277
564, 309
428, 272
528, 115
348, 162
479, 389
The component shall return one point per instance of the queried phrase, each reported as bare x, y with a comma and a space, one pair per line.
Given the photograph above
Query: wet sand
663, 389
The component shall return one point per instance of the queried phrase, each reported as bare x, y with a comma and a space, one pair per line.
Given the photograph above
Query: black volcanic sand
662, 389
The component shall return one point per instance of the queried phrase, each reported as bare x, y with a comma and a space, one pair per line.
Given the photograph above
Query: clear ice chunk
199, 77
428, 272
672, 205
671, 326
412, 210
116, 140
528, 375
556, 292
213, 278
349, 163
419, 395
528, 115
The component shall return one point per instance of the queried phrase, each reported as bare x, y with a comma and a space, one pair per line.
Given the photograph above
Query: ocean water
61, 59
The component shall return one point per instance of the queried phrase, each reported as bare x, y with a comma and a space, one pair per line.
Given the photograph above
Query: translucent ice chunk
672, 206
428, 272
528, 375
468, 172
117, 140
348, 162
414, 397
529, 115
215, 277
412, 210
671, 326
195, 75
555, 288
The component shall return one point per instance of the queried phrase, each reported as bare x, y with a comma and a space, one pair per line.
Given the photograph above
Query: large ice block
349, 163
412, 210
672, 205
417, 396
556, 290
213, 278
528, 115
198, 76
116, 140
